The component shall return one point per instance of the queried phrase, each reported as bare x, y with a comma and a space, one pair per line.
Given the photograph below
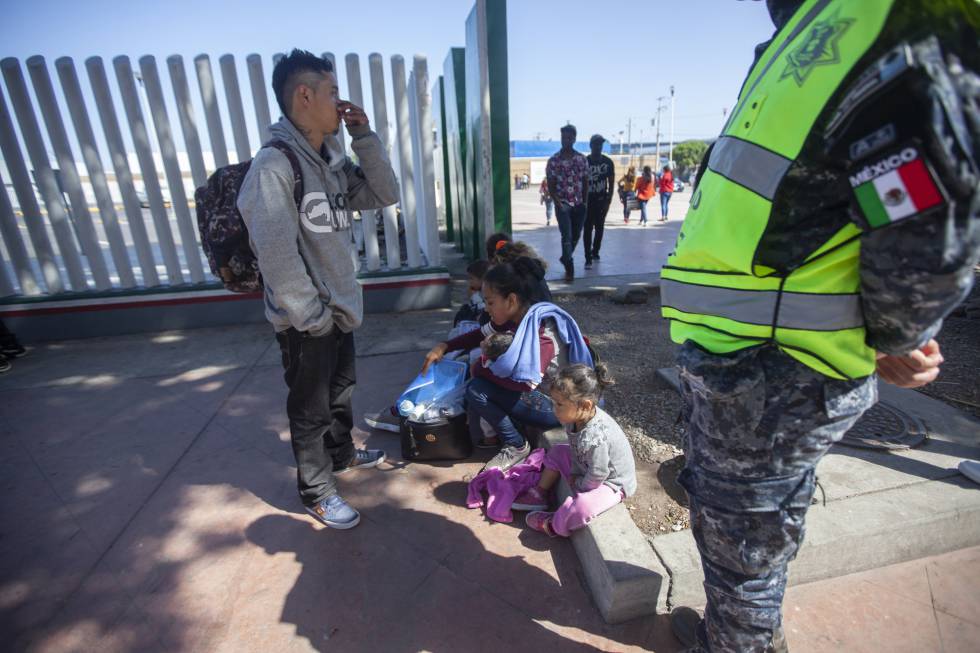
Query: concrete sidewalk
627, 249
150, 505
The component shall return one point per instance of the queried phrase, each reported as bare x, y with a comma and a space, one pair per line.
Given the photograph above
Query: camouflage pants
757, 424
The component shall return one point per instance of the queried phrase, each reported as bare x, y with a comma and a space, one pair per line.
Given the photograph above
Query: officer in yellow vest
835, 224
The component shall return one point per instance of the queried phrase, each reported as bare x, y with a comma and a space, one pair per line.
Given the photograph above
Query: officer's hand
434, 356
913, 370
351, 114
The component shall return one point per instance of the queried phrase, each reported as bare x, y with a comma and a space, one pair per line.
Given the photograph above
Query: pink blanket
503, 487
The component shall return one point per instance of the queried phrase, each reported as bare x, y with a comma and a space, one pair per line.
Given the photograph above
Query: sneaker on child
533, 498
508, 457
386, 419
363, 459
540, 521
335, 513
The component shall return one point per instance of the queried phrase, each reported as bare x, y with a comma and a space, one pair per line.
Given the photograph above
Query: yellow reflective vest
711, 289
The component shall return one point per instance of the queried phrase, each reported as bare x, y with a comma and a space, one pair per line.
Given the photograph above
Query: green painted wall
487, 161
477, 138
499, 112
454, 93
439, 109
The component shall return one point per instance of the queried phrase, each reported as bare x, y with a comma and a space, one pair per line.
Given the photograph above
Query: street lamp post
629, 137
660, 107
670, 150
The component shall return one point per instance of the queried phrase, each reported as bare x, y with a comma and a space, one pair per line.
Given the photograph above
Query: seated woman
500, 249
514, 387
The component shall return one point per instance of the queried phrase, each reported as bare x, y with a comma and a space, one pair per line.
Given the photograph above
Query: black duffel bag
443, 439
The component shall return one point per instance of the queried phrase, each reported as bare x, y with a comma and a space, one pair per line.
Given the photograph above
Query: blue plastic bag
438, 387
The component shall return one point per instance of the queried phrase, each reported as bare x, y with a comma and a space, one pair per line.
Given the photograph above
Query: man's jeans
320, 376
595, 220
571, 219
664, 200
500, 407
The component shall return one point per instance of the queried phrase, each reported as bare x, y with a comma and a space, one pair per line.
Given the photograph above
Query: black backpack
224, 237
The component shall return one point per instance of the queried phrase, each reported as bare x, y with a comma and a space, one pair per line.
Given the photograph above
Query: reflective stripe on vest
813, 312
749, 165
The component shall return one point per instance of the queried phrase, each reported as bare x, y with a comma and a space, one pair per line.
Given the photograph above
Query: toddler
494, 345
597, 462
474, 309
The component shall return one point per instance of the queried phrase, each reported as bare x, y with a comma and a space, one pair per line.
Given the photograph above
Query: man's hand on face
351, 114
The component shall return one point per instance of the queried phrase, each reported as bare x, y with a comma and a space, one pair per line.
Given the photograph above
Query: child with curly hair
597, 462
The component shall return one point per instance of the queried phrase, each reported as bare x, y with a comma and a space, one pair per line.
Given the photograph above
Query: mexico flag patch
895, 187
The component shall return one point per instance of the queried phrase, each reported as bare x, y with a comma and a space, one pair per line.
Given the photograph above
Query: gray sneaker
508, 457
335, 513
363, 459
385, 419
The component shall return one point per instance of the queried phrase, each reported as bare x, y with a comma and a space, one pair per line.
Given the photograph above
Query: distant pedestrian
666, 188
517, 182
645, 187
547, 201
602, 175
525, 181
567, 173
627, 186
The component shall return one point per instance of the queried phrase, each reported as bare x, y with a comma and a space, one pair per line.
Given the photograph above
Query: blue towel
522, 361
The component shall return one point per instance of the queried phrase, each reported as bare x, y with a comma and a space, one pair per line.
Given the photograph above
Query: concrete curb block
623, 573
853, 535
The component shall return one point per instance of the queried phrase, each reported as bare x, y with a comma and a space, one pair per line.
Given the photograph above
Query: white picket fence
78, 225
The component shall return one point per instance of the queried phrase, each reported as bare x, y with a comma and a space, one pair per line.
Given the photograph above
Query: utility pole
670, 151
629, 138
660, 107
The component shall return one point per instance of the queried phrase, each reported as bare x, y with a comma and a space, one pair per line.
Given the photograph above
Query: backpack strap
294, 162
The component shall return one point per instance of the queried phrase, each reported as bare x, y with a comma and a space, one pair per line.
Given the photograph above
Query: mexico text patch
895, 186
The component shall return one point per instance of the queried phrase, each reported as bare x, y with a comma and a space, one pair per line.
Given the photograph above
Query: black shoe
595, 256
588, 265
4, 364
12, 349
684, 624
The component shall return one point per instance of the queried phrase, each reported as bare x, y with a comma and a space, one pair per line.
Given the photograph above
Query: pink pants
582, 507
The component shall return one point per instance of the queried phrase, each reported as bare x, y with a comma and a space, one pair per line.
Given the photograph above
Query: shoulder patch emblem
895, 187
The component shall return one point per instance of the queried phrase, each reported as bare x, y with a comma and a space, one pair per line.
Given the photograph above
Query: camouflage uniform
758, 420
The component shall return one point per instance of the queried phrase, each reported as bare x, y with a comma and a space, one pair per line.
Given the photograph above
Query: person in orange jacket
645, 188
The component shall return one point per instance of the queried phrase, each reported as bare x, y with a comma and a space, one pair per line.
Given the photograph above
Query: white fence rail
91, 209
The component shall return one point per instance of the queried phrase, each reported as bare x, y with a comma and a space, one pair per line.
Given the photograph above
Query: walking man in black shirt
601, 183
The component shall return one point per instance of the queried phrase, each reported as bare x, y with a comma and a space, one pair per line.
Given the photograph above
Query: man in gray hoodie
312, 297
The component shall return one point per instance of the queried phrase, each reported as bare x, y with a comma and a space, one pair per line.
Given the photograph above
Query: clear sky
594, 63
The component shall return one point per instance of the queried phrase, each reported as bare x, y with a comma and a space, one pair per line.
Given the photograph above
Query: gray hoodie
305, 256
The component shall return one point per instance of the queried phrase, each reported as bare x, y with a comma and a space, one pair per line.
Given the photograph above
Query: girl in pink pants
597, 462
